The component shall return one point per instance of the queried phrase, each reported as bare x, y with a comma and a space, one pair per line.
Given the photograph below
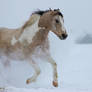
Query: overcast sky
77, 13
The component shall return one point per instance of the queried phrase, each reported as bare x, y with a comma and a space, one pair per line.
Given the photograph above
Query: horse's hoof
55, 83
28, 81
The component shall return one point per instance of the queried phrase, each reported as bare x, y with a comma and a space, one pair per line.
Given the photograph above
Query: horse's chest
39, 52
27, 54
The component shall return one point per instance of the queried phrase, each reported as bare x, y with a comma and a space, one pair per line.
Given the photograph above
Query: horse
31, 40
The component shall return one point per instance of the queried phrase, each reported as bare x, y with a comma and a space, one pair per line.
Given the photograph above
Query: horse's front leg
35, 75
54, 66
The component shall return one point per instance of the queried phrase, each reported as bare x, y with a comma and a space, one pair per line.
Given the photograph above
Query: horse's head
53, 20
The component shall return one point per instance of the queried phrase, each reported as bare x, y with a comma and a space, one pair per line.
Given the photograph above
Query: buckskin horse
31, 40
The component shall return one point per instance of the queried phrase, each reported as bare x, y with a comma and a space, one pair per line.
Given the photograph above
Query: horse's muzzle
63, 36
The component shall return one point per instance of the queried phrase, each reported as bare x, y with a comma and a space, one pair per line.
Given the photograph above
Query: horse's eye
57, 21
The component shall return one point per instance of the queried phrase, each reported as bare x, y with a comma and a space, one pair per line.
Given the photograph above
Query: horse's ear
55, 12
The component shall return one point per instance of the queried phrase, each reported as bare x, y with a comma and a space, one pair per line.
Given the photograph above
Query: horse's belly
16, 55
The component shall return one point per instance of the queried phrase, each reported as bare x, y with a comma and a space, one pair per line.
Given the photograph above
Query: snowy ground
45, 90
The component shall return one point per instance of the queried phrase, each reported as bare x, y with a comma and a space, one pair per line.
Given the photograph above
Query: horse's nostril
64, 36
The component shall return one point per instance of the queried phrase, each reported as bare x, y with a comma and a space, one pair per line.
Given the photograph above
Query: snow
73, 55
13, 89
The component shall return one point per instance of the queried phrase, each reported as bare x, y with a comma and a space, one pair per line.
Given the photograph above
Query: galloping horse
31, 40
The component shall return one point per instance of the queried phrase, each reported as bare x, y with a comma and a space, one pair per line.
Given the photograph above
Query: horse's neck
40, 39
41, 36
27, 33
33, 36
30, 28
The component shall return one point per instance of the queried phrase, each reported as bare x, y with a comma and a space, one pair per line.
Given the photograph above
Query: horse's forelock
59, 13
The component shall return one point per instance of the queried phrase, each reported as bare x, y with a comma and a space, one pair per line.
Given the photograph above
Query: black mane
41, 12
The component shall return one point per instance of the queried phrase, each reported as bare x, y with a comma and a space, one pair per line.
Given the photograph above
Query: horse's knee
38, 72
54, 64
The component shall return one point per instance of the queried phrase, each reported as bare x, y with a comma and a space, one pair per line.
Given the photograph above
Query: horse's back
6, 35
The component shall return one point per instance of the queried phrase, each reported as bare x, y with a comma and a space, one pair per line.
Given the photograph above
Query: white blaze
62, 23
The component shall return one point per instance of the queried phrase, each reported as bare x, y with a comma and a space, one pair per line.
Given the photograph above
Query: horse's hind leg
54, 66
35, 75
5, 61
